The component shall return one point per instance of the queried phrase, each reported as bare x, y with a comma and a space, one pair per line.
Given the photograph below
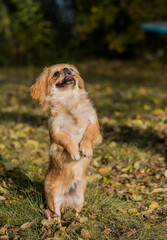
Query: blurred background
125, 72
43, 32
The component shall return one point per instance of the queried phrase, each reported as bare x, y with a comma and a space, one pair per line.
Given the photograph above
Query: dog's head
59, 77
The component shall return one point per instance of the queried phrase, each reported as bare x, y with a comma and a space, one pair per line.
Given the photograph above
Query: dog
73, 130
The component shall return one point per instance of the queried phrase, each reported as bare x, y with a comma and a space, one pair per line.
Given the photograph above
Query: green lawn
126, 196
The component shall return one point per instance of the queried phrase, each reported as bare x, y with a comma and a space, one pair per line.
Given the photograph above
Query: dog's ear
81, 83
39, 89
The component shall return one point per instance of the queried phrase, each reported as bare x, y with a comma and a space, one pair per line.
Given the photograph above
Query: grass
126, 195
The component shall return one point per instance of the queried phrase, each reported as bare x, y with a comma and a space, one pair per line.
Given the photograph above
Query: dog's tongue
69, 75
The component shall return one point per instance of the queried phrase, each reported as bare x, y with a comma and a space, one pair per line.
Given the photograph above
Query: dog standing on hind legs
73, 130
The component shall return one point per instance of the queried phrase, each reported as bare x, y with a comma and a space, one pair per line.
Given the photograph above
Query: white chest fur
72, 112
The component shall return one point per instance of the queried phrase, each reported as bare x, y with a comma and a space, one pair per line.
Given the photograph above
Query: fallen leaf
2, 146
137, 197
9, 166
8, 203
137, 165
165, 173
46, 233
137, 122
25, 226
158, 190
48, 222
130, 233
132, 210
148, 226
161, 159
158, 111
163, 224
153, 205
122, 211
83, 219
3, 230
48, 213
3, 190
106, 231
93, 178
33, 142
104, 169
4, 237
2, 198
86, 233
104, 120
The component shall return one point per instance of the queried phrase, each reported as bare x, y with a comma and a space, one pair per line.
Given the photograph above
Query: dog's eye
55, 74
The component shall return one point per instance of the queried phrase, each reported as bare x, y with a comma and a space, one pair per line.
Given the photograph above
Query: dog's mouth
69, 79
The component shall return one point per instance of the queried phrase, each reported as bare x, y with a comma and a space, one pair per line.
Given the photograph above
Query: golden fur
74, 131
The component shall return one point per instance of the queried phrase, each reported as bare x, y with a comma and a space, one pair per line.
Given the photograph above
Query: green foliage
41, 32
111, 25
25, 30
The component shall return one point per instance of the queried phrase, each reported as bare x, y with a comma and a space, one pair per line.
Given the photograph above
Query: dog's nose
66, 71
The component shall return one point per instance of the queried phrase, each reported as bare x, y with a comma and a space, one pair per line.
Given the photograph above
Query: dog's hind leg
79, 196
57, 205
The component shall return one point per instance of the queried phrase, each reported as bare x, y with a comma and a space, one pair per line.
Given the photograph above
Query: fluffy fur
74, 131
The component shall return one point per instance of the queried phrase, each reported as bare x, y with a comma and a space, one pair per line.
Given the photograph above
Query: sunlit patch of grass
127, 175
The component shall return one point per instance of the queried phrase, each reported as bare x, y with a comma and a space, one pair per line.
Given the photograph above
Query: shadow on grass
33, 120
23, 185
145, 139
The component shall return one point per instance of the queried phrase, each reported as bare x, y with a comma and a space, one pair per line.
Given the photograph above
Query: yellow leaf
3, 230
153, 205
37, 161
161, 136
132, 210
148, 226
62, 210
2, 146
158, 111
33, 142
137, 122
83, 219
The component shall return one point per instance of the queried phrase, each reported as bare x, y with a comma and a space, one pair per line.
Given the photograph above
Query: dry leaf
106, 231
4, 237
48, 222
93, 178
2, 198
158, 190
46, 233
86, 233
153, 205
25, 226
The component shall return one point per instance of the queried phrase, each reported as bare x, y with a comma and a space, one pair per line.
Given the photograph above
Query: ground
126, 195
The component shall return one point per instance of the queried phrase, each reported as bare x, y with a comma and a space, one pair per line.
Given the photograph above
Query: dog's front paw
75, 156
86, 149
73, 150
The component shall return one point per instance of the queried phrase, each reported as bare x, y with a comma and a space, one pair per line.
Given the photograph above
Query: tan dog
73, 129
